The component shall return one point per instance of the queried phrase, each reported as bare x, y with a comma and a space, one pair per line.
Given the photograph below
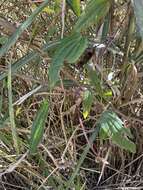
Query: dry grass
66, 132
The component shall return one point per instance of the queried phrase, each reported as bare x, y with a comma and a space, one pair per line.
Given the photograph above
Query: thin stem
11, 111
63, 17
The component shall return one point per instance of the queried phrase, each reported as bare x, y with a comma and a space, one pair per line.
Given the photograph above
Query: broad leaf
75, 6
112, 127
94, 12
109, 124
38, 127
70, 49
124, 142
138, 9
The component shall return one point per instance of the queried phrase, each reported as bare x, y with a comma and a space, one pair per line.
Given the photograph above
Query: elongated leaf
106, 26
75, 6
87, 103
94, 80
77, 51
20, 29
27, 59
138, 9
94, 12
47, 9
38, 127
70, 49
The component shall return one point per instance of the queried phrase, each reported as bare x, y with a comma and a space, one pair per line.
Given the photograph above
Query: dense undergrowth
71, 94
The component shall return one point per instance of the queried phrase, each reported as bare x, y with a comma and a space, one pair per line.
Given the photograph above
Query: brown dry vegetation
67, 132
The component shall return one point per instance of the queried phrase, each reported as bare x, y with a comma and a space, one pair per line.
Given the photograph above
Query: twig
65, 150
47, 178
127, 117
50, 155
139, 100
123, 168
104, 165
24, 97
81, 123
12, 167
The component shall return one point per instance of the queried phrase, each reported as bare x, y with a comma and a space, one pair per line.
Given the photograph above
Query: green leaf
75, 6
38, 126
11, 41
87, 103
94, 12
124, 142
128, 132
138, 7
104, 134
67, 83
110, 123
108, 93
106, 27
112, 126
77, 50
108, 126
94, 80
70, 49
47, 9
27, 59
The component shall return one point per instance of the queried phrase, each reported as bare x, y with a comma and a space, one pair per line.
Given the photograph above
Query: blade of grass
38, 126
26, 59
83, 156
21, 28
11, 111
